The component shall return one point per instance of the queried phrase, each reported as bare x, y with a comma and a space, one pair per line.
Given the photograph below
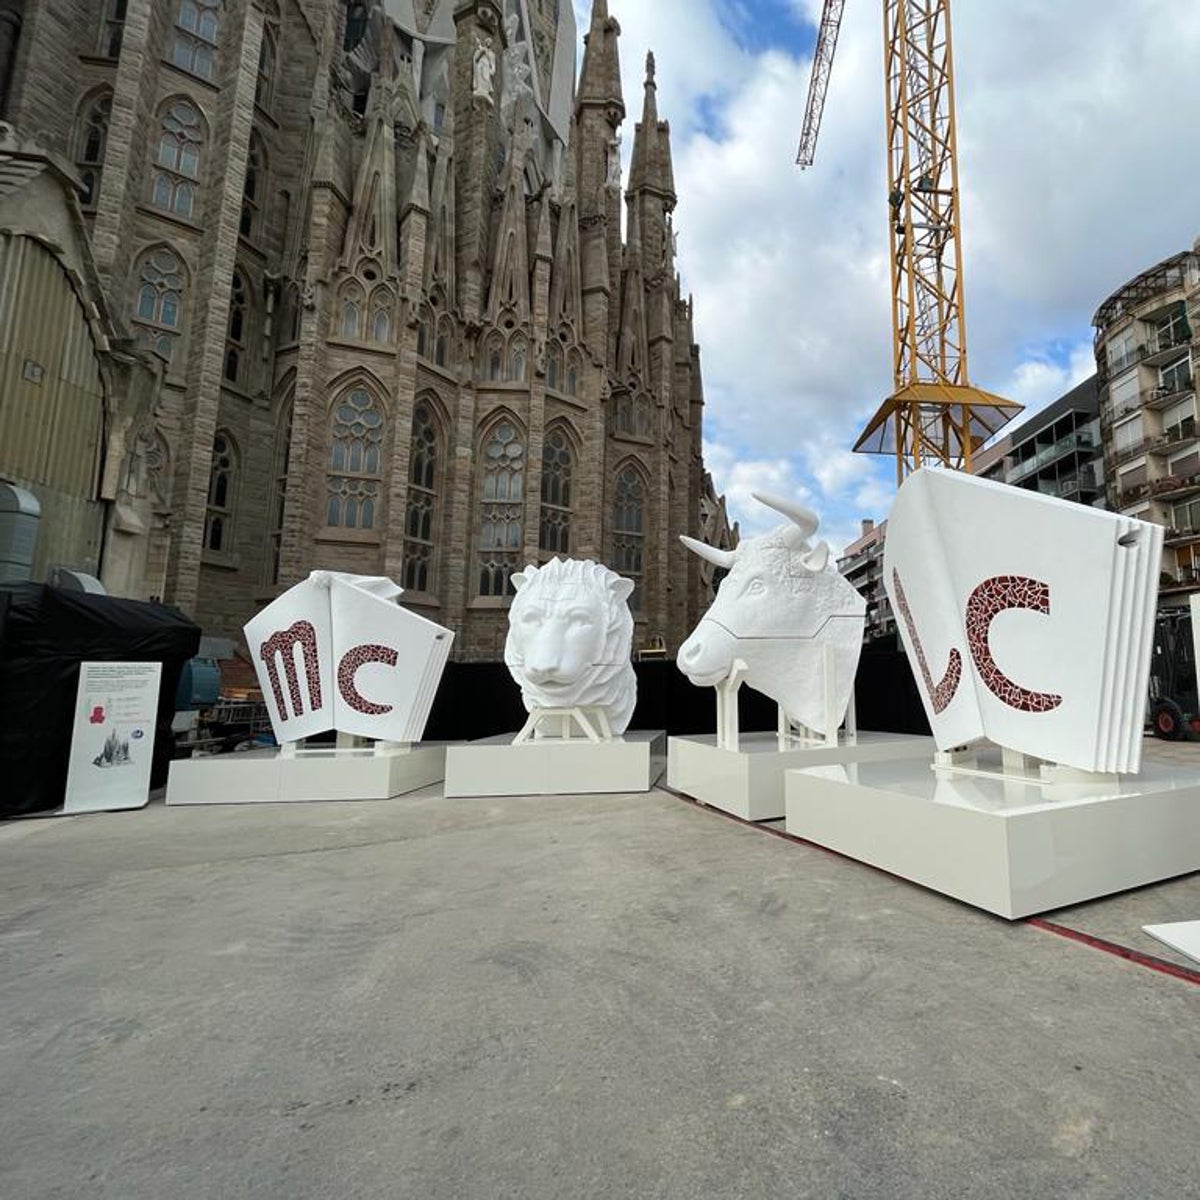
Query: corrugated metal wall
51, 392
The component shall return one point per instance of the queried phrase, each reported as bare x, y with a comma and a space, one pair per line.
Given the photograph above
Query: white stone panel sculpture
1027, 620
570, 640
337, 652
782, 615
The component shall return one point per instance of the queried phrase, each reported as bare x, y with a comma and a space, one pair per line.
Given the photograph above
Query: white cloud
1039, 381
1076, 176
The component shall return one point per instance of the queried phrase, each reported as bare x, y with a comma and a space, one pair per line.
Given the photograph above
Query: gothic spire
600, 78
651, 169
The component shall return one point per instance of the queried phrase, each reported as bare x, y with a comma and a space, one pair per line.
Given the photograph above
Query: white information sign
112, 744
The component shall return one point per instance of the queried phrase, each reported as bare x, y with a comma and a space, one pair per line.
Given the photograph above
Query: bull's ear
523, 577
817, 560
622, 589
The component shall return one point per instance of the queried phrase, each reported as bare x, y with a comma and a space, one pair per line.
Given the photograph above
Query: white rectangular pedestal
495, 767
1183, 936
748, 782
267, 777
1012, 848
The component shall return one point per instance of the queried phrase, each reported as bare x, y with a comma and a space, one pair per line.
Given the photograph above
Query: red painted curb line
1148, 961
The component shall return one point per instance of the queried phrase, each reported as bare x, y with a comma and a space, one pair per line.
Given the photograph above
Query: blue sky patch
760, 25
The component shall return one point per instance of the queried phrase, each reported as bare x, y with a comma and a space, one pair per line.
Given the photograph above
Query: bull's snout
707, 656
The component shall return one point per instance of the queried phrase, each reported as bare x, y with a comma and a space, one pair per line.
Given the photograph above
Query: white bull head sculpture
779, 608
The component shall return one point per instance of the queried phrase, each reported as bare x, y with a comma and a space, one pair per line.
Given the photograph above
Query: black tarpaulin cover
45, 633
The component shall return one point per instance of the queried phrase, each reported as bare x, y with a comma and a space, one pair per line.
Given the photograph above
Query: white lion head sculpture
570, 639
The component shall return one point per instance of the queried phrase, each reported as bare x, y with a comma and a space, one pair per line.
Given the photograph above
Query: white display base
270, 777
550, 767
1011, 847
1183, 936
748, 781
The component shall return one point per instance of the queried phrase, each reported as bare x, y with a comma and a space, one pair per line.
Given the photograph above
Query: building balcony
1122, 362
1163, 397
1182, 537
1175, 487
1070, 444
1132, 495
1124, 454
1160, 348
1186, 579
1126, 410
857, 564
1180, 437
1081, 488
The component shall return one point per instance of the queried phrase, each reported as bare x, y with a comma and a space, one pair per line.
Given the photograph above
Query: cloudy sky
1077, 142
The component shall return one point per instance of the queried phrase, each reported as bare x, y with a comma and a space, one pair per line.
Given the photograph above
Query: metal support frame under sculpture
569, 647
784, 622
1028, 620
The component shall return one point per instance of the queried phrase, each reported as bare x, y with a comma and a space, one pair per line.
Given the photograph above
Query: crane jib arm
827, 40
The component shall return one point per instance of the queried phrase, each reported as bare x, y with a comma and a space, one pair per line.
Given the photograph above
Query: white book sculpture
337, 652
1027, 620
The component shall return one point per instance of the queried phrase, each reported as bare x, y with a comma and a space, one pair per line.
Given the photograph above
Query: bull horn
804, 518
718, 558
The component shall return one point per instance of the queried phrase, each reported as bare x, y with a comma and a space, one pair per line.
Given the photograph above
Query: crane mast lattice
934, 414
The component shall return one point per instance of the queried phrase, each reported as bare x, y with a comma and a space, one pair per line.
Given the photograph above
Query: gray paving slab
614, 997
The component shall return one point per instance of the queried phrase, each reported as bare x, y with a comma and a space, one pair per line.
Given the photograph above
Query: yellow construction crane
934, 414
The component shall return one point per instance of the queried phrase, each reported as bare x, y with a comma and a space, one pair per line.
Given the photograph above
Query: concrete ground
576, 997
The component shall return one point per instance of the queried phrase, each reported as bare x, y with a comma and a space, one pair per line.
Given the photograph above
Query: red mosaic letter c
987, 602
348, 670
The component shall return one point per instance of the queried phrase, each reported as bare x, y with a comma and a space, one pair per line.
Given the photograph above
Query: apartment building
1145, 351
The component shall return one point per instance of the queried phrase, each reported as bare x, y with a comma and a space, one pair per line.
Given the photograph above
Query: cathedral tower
369, 256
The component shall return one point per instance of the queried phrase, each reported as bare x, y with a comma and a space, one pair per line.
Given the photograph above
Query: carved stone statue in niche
485, 70
613, 179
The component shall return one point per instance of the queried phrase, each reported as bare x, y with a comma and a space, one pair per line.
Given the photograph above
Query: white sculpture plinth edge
500, 766
1013, 848
748, 782
295, 774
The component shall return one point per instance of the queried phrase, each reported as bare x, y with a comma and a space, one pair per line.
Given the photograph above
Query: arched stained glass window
235, 339
558, 466
254, 189
197, 31
265, 86
112, 28
420, 523
353, 301
93, 146
282, 464
218, 517
158, 308
516, 361
177, 159
629, 531
356, 25
381, 316
502, 507
355, 462
644, 417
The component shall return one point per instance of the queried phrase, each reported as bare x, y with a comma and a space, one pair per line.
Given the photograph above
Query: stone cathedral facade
359, 296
